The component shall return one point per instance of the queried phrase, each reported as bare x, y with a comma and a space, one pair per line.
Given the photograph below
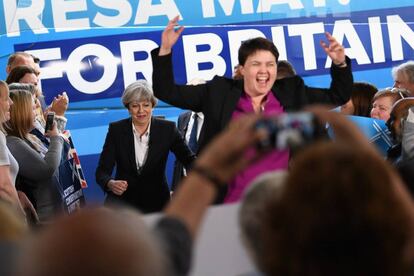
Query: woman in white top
8, 165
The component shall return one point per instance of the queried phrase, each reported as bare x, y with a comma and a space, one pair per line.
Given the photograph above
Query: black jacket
182, 125
147, 188
218, 98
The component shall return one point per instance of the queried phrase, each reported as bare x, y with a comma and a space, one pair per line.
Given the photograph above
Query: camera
289, 130
50, 117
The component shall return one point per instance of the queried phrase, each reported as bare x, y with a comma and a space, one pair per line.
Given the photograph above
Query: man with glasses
403, 75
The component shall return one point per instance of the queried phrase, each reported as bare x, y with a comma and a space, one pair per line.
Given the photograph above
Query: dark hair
337, 216
285, 69
362, 94
251, 46
36, 59
18, 73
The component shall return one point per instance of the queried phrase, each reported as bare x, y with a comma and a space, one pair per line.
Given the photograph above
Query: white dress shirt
141, 146
200, 120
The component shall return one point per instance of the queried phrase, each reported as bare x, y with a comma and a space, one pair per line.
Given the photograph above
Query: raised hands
60, 104
170, 36
334, 50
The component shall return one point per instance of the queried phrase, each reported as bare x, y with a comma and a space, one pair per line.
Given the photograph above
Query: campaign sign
71, 179
100, 67
376, 131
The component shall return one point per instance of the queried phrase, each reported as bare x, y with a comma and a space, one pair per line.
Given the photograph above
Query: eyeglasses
403, 93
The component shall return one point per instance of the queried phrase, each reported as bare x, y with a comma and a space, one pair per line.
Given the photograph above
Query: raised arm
342, 81
165, 89
334, 50
170, 36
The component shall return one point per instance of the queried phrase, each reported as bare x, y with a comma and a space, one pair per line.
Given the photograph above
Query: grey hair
138, 91
23, 86
267, 186
406, 68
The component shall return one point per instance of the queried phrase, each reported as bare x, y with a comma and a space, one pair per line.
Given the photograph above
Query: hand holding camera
51, 127
289, 131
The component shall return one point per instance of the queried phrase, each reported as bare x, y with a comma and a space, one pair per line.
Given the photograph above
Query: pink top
275, 160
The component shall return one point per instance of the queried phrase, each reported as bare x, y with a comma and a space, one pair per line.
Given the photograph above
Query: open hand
170, 36
60, 104
334, 50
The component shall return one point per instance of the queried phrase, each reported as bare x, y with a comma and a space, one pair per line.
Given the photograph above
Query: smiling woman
258, 58
222, 99
138, 147
383, 101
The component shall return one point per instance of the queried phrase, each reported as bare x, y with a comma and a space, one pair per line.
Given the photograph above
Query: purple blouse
275, 160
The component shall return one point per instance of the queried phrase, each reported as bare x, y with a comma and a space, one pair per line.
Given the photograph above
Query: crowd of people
336, 207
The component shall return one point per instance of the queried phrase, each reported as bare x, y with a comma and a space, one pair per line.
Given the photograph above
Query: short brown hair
362, 95
337, 216
18, 73
251, 46
285, 69
393, 92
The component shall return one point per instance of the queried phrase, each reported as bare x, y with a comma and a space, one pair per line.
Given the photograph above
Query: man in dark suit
191, 131
138, 147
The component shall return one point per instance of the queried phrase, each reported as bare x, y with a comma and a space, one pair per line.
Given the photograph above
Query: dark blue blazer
182, 124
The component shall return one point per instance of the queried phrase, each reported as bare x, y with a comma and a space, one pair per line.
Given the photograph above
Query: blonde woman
38, 173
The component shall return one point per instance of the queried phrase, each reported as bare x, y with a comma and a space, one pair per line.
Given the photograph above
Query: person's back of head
362, 94
342, 213
13, 231
18, 73
12, 223
94, 242
265, 187
285, 69
398, 117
